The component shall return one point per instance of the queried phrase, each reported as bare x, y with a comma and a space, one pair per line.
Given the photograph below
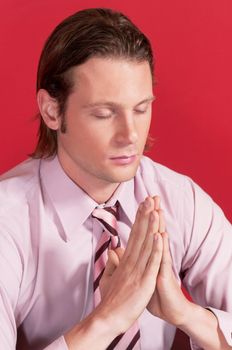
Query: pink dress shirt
48, 240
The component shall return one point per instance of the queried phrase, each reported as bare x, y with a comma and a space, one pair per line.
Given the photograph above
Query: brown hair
95, 32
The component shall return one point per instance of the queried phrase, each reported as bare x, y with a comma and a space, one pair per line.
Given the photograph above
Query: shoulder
175, 187
19, 183
153, 172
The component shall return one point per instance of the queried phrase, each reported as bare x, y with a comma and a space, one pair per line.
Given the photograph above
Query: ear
49, 110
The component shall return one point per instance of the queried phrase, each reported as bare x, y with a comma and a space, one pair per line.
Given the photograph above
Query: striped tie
110, 239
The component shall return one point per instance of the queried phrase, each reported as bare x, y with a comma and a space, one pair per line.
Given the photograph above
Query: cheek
95, 140
98, 146
143, 128
87, 135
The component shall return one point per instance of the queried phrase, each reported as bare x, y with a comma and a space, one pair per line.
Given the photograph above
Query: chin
122, 175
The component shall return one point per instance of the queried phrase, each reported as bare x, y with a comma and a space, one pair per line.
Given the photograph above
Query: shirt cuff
58, 344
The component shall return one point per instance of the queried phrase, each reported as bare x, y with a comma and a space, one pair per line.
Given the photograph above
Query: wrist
110, 320
180, 316
94, 332
108, 324
194, 315
201, 325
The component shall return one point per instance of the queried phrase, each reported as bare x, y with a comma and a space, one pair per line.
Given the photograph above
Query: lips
124, 160
124, 157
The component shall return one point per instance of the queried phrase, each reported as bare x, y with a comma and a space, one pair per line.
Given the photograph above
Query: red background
192, 114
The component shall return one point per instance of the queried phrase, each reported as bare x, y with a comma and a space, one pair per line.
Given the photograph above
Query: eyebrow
114, 104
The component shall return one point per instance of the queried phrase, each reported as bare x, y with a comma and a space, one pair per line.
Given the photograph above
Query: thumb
119, 251
166, 262
112, 263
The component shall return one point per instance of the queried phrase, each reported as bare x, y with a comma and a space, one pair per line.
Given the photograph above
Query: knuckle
129, 264
135, 281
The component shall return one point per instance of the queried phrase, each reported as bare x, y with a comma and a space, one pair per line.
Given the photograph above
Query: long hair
95, 32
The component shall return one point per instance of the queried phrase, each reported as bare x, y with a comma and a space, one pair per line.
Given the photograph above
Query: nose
127, 132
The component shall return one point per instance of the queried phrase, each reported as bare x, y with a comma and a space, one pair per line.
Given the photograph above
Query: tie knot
108, 218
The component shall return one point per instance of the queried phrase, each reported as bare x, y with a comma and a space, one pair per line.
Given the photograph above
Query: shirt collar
72, 204
126, 197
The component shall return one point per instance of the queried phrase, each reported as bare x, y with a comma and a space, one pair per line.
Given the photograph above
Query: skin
103, 121
168, 301
108, 115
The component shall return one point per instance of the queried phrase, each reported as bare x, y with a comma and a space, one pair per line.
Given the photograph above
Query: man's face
107, 120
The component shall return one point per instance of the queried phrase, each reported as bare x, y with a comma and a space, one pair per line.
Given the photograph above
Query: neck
99, 190
101, 194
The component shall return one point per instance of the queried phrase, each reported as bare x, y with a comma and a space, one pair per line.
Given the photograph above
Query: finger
154, 262
111, 266
166, 262
120, 252
113, 257
111, 263
156, 202
161, 221
139, 231
148, 243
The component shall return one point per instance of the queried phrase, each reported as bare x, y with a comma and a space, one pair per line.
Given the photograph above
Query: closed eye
143, 108
138, 111
103, 113
105, 116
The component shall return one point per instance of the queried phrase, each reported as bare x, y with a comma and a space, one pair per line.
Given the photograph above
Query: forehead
115, 79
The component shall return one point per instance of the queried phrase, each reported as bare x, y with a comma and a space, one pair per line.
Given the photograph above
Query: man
58, 290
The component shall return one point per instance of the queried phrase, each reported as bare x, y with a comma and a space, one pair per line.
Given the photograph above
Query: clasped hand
141, 276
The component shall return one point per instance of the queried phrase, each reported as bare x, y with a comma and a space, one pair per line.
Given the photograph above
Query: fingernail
147, 203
